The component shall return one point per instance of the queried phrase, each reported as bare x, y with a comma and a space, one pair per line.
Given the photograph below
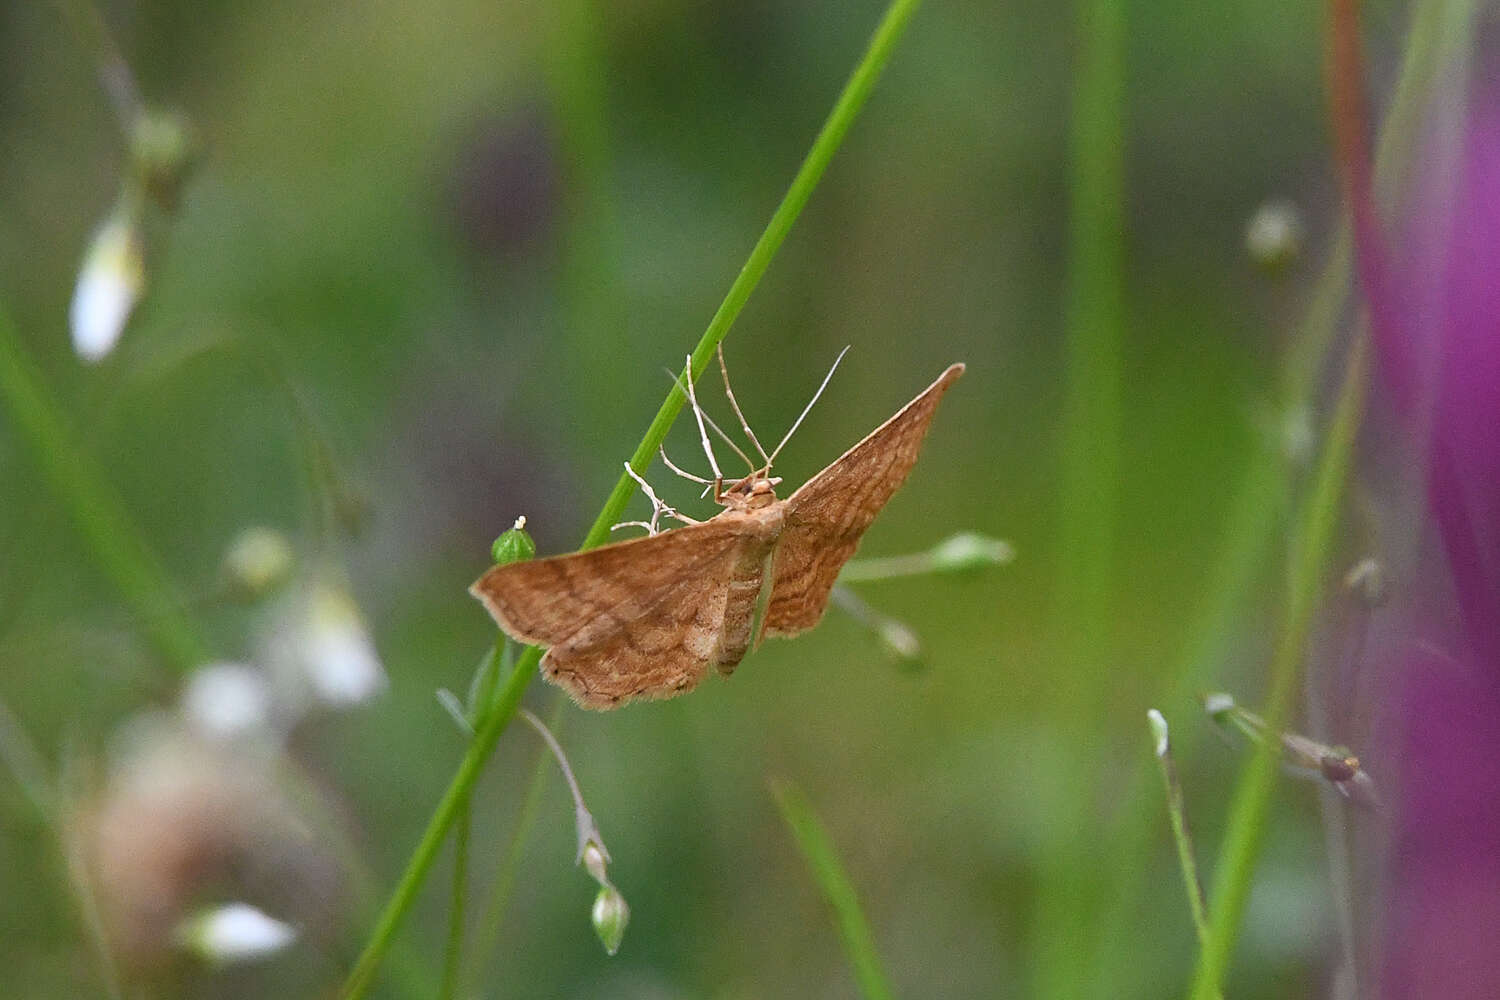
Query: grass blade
822, 858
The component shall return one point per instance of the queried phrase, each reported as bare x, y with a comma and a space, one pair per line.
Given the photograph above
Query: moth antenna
735, 405
685, 475
714, 426
687, 376
806, 410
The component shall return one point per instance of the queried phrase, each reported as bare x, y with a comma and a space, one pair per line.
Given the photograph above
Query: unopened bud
258, 561
1298, 439
1160, 735
163, 148
610, 915
594, 861
969, 550
110, 283
900, 640
1368, 583
1217, 703
513, 546
1273, 237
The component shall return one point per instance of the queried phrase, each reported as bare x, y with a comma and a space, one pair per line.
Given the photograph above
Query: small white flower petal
225, 700
109, 284
236, 932
339, 655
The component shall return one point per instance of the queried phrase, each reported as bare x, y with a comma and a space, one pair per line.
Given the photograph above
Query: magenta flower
1436, 326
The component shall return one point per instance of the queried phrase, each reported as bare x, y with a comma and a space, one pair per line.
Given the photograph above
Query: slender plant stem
823, 859
96, 511
114, 72
1177, 815
1094, 329
845, 110
453, 952
488, 936
1248, 812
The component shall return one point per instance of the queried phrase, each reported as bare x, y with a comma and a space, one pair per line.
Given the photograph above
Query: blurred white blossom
235, 932
1273, 236
227, 700
110, 282
322, 646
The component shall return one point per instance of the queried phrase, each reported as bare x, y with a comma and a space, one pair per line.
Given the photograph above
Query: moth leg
707, 484
659, 508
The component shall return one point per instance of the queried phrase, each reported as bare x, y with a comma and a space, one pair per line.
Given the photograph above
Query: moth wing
581, 599
658, 654
827, 515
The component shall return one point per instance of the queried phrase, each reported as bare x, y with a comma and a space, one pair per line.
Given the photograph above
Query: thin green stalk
1187, 861
453, 953
846, 108
1248, 812
114, 72
82, 490
488, 935
1094, 329
823, 859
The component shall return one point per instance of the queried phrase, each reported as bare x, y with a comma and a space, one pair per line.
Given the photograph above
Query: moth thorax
752, 493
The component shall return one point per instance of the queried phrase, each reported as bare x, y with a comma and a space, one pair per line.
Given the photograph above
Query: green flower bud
513, 546
258, 561
901, 641
969, 550
163, 148
610, 915
1273, 237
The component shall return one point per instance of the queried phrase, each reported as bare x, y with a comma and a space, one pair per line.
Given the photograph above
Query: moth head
751, 493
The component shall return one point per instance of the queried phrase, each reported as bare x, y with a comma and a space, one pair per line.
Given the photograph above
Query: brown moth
646, 618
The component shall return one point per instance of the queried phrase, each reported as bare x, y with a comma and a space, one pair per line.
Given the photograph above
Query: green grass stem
458, 897
82, 490
1093, 333
822, 857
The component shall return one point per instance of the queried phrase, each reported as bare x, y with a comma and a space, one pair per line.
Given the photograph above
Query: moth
648, 617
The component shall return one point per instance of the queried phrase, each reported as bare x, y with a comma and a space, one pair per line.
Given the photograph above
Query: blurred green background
466, 238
